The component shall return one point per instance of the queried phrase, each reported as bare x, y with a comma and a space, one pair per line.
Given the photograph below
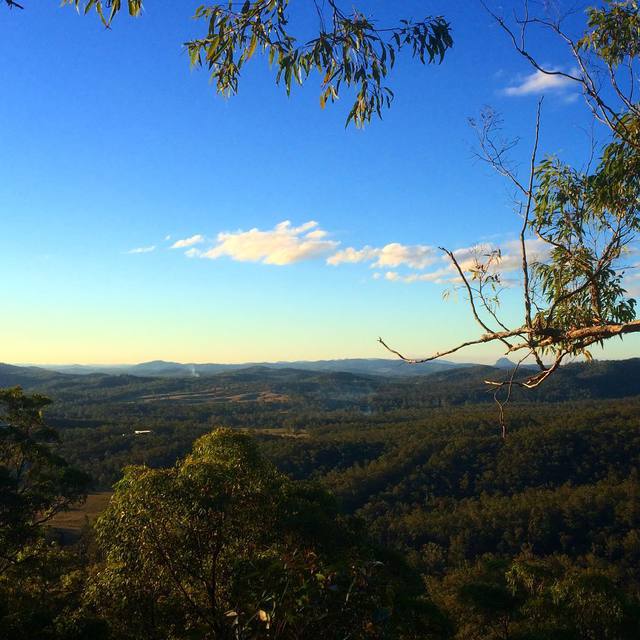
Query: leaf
252, 47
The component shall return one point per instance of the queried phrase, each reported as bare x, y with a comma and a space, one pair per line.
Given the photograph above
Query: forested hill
606, 379
420, 471
576, 381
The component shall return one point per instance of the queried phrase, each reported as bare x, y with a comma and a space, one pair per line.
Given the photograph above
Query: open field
216, 395
277, 432
69, 524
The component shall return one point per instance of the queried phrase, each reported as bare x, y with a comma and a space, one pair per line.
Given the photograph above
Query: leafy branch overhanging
347, 49
585, 220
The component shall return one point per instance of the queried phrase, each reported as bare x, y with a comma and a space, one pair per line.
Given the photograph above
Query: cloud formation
282, 245
142, 249
393, 262
538, 83
440, 276
188, 242
445, 272
391, 255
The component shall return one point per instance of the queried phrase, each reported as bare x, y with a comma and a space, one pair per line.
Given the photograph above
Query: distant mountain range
447, 383
360, 366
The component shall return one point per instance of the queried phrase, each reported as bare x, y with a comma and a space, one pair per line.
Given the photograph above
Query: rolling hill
324, 387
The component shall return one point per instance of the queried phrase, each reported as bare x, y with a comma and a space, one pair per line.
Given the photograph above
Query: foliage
41, 595
587, 218
37, 580
350, 50
582, 220
222, 545
572, 213
535, 599
535, 537
35, 483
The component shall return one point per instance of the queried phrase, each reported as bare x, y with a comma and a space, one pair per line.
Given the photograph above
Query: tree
35, 483
583, 219
350, 50
537, 598
224, 546
37, 579
563, 600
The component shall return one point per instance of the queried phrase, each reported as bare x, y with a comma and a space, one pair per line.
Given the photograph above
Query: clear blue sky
111, 143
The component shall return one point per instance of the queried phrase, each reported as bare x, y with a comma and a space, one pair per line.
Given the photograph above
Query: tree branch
540, 338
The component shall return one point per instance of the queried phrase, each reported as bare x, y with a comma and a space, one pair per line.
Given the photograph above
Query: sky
145, 217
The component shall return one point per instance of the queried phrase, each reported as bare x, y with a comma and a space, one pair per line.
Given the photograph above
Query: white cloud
391, 255
440, 276
351, 255
467, 256
284, 244
570, 98
416, 256
142, 249
510, 254
317, 234
445, 272
395, 262
188, 242
537, 251
539, 82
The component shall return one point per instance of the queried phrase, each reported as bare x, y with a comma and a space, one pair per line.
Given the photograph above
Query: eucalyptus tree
224, 546
37, 577
585, 220
35, 482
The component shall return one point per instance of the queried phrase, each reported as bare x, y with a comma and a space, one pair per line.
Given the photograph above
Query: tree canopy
35, 483
224, 546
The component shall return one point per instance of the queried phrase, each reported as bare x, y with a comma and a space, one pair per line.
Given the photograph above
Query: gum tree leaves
350, 51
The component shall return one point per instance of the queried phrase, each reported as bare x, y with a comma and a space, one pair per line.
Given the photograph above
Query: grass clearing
69, 524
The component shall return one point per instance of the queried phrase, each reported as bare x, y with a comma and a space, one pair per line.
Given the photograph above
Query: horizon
458, 362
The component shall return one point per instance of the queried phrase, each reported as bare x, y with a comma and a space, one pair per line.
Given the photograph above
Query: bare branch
479, 320
509, 384
540, 338
482, 340
525, 221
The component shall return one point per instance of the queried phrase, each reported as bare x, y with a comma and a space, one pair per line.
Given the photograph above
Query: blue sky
111, 143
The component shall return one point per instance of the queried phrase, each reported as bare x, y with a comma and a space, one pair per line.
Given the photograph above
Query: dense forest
278, 503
